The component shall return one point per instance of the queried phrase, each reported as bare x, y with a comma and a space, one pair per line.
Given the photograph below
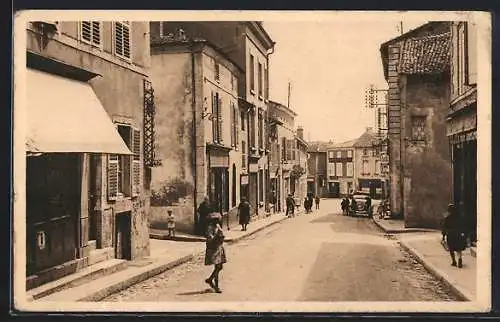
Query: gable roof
346, 144
365, 140
317, 146
425, 55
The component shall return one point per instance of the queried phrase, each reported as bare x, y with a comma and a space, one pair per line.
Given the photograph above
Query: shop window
122, 39
90, 32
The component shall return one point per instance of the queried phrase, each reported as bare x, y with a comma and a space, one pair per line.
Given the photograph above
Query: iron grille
149, 126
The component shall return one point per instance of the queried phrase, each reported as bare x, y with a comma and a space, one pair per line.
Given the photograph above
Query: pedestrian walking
244, 213
316, 200
170, 223
290, 206
306, 205
353, 206
344, 204
369, 205
204, 210
454, 234
215, 253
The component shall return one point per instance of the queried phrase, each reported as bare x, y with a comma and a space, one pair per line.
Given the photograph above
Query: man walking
290, 206
316, 200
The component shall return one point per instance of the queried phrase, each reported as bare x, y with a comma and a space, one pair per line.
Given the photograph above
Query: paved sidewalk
428, 250
164, 255
396, 226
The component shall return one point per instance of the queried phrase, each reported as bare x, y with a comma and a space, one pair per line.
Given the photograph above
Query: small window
339, 154
252, 73
259, 81
122, 39
349, 153
418, 128
217, 71
90, 32
331, 155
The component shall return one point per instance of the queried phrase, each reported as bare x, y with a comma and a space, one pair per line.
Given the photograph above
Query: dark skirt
456, 242
215, 255
244, 219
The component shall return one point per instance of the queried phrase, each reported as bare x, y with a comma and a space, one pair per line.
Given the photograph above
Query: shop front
218, 178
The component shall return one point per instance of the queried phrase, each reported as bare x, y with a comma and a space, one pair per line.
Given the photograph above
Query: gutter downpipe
193, 106
268, 179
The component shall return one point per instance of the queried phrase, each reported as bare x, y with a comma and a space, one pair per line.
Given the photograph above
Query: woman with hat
215, 253
455, 235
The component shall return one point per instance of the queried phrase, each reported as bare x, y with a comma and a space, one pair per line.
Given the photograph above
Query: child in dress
170, 223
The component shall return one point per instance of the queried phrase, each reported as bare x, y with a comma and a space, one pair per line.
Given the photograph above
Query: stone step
83, 276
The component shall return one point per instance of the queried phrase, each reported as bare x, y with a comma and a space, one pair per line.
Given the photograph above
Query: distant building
316, 174
416, 67
367, 165
462, 121
340, 169
302, 162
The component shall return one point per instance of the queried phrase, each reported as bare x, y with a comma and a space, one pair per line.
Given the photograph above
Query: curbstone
439, 274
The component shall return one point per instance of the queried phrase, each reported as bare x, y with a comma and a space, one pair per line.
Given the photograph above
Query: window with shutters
219, 118
339, 154
338, 169
136, 163
252, 73
236, 124
122, 39
216, 118
266, 83
259, 80
349, 153
216, 71
261, 128
233, 123
243, 155
418, 128
283, 149
124, 171
90, 32
242, 121
252, 128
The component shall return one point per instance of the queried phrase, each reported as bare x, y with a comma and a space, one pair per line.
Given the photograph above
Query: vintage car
361, 206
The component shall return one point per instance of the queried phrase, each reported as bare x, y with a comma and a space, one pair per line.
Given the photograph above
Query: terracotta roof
426, 55
365, 140
346, 144
317, 146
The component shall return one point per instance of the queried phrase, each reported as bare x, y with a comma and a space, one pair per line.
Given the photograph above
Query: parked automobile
361, 207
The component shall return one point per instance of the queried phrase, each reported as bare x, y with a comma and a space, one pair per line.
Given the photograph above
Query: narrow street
322, 256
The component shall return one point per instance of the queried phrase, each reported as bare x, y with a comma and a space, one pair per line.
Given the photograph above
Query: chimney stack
369, 129
300, 133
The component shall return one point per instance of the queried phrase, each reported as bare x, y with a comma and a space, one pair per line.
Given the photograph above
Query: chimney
300, 133
369, 129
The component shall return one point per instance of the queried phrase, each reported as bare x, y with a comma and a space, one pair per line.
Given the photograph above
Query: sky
329, 65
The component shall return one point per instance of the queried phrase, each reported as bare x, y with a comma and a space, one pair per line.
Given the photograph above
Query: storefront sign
219, 161
244, 179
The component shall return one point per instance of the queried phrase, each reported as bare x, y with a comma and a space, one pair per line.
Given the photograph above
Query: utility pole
401, 27
289, 93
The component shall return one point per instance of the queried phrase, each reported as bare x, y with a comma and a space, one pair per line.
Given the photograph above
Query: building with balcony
341, 180
200, 138
89, 145
368, 167
462, 121
248, 45
417, 69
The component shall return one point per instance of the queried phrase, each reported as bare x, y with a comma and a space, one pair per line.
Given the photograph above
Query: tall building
316, 173
248, 45
89, 145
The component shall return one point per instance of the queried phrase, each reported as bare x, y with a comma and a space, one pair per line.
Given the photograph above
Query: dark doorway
253, 190
334, 189
233, 187
123, 236
93, 194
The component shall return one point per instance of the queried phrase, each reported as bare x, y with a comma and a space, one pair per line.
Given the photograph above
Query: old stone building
248, 45
340, 169
88, 151
416, 67
282, 124
462, 121
367, 165
301, 162
316, 169
200, 139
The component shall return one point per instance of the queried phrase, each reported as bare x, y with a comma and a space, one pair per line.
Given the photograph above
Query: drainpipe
193, 106
268, 178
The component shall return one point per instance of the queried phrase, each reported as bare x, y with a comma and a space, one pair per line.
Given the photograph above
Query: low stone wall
183, 212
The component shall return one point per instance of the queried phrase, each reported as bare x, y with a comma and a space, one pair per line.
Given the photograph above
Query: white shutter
219, 119
112, 174
236, 125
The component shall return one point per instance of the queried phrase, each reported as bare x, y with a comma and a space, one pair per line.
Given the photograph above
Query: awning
65, 115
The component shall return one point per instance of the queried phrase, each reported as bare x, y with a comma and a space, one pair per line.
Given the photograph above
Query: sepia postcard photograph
252, 161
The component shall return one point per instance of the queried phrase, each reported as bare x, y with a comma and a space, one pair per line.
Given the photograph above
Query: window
365, 152
216, 118
234, 125
122, 39
338, 169
377, 167
124, 171
252, 73
349, 153
418, 128
243, 155
261, 128
366, 171
349, 169
242, 116
252, 129
217, 71
266, 83
259, 80
90, 32
331, 169
339, 154
331, 155
284, 149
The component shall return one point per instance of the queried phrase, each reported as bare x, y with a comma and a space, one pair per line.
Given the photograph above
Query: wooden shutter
112, 173
136, 162
219, 119
233, 122
214, 118
86, 31
283, 147
122, 39
96, 32
236, 125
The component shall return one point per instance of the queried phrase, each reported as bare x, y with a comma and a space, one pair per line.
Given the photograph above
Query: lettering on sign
40, 238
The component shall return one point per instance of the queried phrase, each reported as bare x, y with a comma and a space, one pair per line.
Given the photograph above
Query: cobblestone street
323, 256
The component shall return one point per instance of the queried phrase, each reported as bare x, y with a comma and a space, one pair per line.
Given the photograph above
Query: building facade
301, 164
316, 169
462, 121
281, 120
200, 139
248, 45
367, 165
88, 144
340, 169
416, 67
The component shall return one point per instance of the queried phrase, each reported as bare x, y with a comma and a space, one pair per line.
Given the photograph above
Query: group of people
308, 204
349, 205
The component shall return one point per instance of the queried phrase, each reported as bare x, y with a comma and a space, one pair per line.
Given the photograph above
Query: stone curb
439, 274
142, 276
139, 277
405, 230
